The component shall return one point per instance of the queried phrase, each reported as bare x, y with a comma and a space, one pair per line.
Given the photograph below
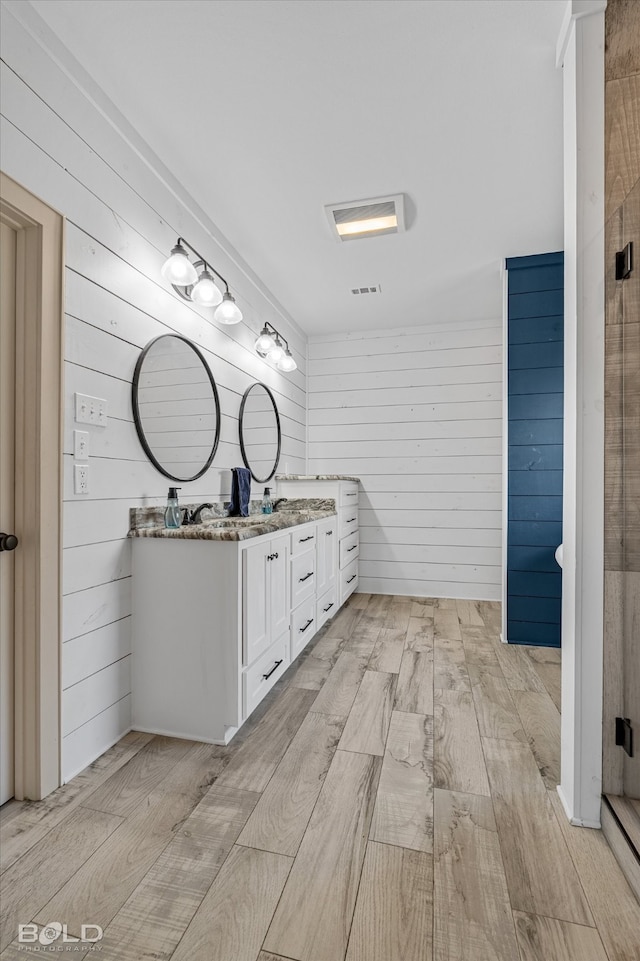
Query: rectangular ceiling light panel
366, 218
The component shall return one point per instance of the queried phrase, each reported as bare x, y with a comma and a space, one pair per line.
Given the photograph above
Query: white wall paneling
124, 211
416, 414
94, 737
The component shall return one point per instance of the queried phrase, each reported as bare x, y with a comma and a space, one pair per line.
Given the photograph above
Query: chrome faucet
195, 517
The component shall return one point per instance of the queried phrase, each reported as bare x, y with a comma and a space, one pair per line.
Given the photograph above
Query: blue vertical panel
535, 411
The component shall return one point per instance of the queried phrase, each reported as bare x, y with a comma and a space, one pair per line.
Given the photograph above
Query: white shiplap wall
417, 415
123, 214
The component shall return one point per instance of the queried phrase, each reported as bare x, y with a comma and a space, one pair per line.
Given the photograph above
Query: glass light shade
228, 312
276, 353
287, 363
205, 292
178, 269
265, 342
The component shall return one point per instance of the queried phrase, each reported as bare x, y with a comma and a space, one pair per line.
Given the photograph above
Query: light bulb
205, 291
276, 354
287, 363
228, 312
265, 342
178, 269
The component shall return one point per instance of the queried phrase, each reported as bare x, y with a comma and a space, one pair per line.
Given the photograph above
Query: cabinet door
326, 545
278, 580
256, 631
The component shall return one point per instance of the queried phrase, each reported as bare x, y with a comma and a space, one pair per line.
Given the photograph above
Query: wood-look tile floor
392, 799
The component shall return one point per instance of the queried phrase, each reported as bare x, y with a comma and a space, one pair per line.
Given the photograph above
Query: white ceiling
266, 110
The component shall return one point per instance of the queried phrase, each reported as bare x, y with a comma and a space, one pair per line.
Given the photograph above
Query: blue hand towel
240, 492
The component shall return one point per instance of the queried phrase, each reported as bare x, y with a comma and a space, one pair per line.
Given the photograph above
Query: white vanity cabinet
326, 593
344, 492
266, 602
216, 623
304, 583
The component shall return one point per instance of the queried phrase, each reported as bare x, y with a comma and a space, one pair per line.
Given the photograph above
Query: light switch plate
91, 410
81, 444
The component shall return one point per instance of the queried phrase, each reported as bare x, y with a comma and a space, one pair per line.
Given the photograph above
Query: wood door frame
38, 496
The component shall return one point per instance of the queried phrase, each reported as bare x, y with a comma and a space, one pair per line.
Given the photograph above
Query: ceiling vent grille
366, 218
366, 290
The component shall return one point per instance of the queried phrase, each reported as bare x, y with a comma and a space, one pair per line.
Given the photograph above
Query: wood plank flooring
392, 799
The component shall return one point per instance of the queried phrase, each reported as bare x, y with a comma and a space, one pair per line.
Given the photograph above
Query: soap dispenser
172, 515
267, 506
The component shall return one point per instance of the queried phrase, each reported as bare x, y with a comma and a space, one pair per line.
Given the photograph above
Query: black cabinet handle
306, 577
329, 533
303, 539
274, 556
325, 609
352, 578
274, 668
303, 629
351, 520
351, 493
349, 549
8, 542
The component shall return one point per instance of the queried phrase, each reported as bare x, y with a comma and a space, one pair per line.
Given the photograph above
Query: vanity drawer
349, 548
348, 580
303, 539
326, 607
258, 679
348, 494
303, 577
303, 626
347, 520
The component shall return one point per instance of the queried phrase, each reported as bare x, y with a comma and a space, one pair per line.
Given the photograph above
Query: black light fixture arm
202, 262
272, 330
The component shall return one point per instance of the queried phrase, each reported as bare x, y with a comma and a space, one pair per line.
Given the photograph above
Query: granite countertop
149, 521
329, 477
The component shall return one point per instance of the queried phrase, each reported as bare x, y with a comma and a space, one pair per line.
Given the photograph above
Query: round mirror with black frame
176, 408
260, 434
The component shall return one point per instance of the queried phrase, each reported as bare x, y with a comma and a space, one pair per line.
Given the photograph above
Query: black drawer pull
349, 549
325, 609
352, 578
274, 556
306, 577
308, 624
351, 520
274, 668
351, 493
303, 539
328, 533
269, 557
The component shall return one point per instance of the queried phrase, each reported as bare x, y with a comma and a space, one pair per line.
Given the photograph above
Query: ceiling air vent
367, 218
366, 290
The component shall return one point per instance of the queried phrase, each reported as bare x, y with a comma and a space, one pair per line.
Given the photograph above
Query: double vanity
222, 608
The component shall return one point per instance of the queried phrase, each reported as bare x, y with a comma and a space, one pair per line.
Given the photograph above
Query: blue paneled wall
535, 412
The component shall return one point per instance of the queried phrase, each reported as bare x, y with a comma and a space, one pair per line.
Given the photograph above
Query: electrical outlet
91, 410
81, 444
81, 478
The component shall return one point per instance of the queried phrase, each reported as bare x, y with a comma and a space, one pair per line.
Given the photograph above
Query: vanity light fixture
196, 283
272, 346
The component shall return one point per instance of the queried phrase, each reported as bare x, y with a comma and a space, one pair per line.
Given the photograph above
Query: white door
279, 603
7, 433
256, 630
326, 575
